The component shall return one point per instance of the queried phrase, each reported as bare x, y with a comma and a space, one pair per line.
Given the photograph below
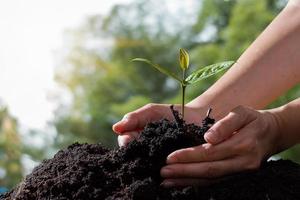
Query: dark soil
90, 171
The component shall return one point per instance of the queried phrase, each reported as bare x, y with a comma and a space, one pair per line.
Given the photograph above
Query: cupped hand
238, 142
132, 123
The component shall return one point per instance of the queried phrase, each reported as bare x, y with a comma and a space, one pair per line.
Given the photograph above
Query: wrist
275, 130
198, 104
203, 103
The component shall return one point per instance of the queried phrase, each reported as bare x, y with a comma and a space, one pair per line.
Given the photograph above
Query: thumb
128, 123
125, 138
136, 120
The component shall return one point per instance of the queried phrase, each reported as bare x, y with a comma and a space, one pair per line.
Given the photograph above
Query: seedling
184, 80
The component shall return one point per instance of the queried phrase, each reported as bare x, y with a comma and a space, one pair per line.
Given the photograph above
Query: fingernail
125, 118
171, 159
118, 127
122, 144
210, 136
166, 172
121, 141
167, 184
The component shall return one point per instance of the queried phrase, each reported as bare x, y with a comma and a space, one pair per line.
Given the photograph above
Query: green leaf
207, 71
159, 68
184, 59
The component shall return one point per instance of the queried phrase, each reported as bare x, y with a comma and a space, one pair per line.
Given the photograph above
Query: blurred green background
104, 85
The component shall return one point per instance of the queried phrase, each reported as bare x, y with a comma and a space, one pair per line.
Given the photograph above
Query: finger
208, 152
124, 139
183, 182
225, 128
203, 153
213, 169
243, 142
136, 120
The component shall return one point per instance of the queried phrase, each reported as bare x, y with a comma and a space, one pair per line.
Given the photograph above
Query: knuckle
233, 115
240, 113
253, 164
237, 118
239, 109
150, 106
180, 170
211, 171
248, 145
262, 124
131, 115
245, 113
208, 152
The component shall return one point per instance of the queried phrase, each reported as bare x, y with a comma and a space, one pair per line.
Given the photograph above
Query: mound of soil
91, 171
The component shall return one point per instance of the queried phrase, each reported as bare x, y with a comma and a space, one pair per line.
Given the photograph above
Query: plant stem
183, 86
182, 101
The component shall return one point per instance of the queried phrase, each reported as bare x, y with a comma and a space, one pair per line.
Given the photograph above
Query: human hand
238, 142
128, 128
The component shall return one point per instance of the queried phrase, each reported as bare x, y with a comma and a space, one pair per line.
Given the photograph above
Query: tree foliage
10, 150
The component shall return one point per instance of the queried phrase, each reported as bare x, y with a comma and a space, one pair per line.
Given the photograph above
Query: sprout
184, 59
200, 74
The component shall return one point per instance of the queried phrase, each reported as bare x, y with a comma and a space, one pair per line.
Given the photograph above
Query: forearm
287, 122
269, 67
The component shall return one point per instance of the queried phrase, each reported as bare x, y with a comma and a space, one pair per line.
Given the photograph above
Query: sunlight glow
30, 32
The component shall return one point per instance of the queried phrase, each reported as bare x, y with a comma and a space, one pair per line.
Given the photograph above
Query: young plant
184, 80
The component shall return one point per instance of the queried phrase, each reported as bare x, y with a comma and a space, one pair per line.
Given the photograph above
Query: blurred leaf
159, 68
208, 71
10, 150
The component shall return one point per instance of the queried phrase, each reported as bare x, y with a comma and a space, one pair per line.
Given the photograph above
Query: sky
30, 32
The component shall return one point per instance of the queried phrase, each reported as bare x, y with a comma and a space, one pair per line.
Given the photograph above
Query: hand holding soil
132, 123
238, 142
